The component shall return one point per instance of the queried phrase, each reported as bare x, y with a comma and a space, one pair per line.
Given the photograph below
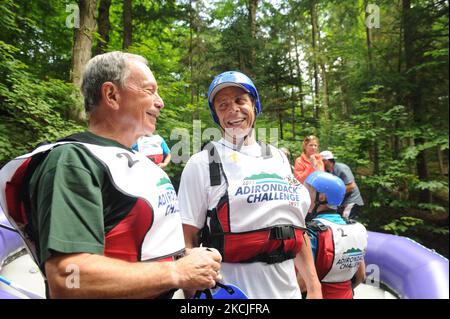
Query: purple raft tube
411, 270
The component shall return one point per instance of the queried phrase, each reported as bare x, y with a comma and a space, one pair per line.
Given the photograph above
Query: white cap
221, 86
326, 155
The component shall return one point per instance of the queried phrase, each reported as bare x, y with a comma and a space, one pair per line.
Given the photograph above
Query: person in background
351, 206
310, 160
155, 148
239, 196
338, 244
104, 218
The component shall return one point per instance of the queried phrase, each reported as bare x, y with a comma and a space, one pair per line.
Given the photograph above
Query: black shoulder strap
214, 164
316, 226
349, 221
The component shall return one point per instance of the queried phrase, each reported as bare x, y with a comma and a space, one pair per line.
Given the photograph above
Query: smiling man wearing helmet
239, 196
338, 244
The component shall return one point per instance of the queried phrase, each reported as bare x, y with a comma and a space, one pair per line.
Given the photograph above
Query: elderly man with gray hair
104, 220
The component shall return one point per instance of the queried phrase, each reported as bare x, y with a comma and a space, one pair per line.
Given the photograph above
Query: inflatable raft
396, 267
408, 269
18, 271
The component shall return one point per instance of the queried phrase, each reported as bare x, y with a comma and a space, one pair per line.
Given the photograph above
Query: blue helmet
232, 78
332, 186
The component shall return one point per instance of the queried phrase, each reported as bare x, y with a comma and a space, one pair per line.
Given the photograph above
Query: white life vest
133, 175
348, 244
150, 145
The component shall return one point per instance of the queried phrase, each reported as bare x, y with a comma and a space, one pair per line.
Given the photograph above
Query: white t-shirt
258, 280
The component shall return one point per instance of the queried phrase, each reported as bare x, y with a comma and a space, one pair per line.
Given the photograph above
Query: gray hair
107, 67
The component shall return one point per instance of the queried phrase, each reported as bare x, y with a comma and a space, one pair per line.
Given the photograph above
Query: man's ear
110, 95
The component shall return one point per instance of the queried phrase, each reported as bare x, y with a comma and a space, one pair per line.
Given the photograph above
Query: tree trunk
397, 141
344, 103
280, 122
299, 76
324, 91
103, 25
242, 65
82, 45
440, 161
314, 36
293, 100
376, 158
252, 6
414, 96
368, 41
127, 24
323, 70
191, 45
279, 110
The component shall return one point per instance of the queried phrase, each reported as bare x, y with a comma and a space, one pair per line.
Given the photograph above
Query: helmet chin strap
317, 203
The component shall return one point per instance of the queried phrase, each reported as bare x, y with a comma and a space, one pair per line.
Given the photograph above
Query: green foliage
8, 22
431, 207
402, 225
33, 111
412, 227
432, 185
38, 28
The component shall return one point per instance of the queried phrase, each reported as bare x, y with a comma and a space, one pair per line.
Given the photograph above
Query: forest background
369, 77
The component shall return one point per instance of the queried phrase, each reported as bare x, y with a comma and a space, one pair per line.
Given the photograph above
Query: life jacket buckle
316, 225
282, 232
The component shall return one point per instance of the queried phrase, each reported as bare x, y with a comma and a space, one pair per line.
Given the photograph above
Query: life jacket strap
273, 257
282, 232
214, 164
317, 226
